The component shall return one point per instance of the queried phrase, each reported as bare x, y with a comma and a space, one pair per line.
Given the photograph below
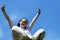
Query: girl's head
22, 23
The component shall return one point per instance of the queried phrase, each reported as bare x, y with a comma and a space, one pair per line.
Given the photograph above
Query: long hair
20, 21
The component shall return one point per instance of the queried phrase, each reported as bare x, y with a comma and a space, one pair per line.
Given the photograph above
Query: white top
18, 32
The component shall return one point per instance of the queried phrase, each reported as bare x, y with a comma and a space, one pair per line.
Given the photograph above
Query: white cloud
1, 33
17, 15
13, 15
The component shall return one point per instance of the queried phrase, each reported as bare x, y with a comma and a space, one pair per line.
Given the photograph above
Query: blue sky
17, 9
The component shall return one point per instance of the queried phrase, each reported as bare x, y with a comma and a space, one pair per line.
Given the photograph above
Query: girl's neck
23, 26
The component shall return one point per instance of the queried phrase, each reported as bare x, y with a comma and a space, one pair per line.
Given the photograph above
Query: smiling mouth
23, 23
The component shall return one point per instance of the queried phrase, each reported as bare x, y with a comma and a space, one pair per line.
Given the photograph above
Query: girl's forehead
23, 19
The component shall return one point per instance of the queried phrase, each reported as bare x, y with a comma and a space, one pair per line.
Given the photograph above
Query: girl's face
23, 23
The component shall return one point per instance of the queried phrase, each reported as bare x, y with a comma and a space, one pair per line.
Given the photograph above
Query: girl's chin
22, 26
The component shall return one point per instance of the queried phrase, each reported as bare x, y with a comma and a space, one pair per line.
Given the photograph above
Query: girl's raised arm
34, 19
6, 16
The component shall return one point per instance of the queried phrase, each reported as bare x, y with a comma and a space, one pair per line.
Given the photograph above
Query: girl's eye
24, 21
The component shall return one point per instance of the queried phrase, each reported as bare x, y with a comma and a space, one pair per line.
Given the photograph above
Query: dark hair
21, 20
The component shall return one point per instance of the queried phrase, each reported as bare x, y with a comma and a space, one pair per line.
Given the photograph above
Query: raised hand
39, 10
3, 8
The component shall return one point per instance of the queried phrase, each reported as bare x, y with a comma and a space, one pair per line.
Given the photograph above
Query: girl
21, 31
